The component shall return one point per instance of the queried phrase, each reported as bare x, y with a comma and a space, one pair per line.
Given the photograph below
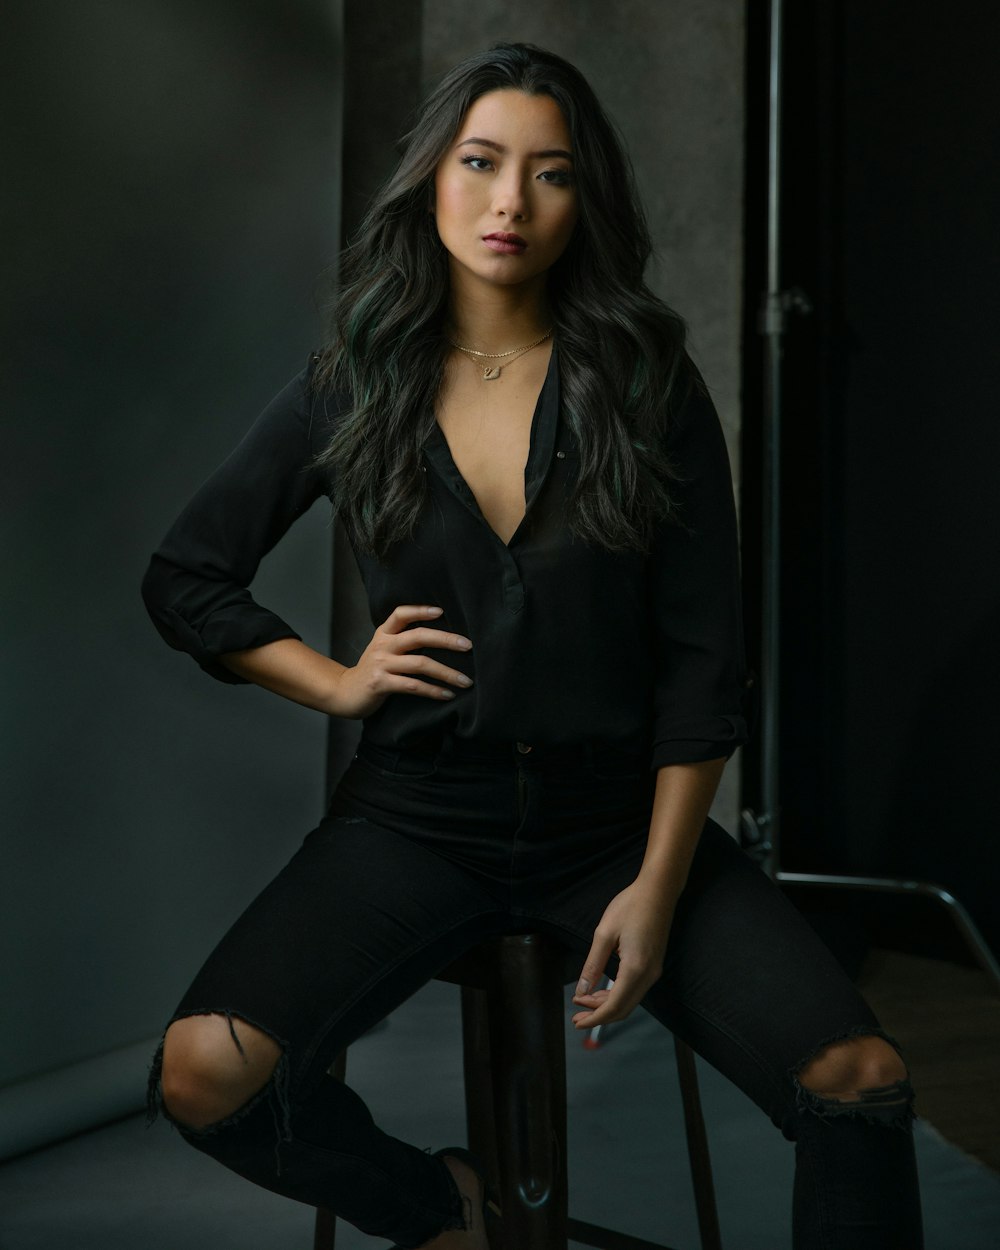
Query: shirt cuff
222, 632
713, 739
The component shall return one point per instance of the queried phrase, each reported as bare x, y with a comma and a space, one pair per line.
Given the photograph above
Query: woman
536, 487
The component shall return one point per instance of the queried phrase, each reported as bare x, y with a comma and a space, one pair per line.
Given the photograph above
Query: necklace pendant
491, 373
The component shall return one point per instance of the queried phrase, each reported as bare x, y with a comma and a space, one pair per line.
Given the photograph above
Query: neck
495, 318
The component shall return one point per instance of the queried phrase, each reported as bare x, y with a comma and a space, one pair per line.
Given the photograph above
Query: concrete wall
178, 167
177, 174
671, 74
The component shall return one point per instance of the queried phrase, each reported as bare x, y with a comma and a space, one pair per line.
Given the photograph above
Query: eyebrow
499, 147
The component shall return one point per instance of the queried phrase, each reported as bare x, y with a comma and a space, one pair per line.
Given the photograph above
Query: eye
557, 177
476, 162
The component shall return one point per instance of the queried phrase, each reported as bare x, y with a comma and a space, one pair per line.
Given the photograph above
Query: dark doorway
891, 543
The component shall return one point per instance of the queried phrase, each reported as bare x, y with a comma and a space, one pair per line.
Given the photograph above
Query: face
504, 196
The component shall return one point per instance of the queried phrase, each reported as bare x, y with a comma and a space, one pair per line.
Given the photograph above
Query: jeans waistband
445, 747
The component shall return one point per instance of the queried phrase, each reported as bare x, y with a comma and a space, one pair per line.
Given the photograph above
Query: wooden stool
515, 1098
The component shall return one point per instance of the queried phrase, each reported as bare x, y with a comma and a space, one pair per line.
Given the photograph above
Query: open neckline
541, 442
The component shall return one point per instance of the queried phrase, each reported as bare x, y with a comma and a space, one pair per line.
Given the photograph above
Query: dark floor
947, 1018
126, 1188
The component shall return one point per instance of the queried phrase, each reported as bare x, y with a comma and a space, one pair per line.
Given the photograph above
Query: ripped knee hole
862, 1072
208, 1068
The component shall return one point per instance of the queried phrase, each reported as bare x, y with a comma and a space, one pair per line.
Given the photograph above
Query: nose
510, 197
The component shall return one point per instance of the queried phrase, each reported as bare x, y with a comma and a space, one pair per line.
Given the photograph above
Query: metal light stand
762, 830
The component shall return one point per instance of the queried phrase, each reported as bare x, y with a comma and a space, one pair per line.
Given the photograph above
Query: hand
636, 924
387, 667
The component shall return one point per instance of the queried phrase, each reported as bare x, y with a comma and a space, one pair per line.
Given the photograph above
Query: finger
411, 639
404, 615
591, 1000
608, 1012
408, 665
614, 1008
600, 952
624, 996
604, 1001
394, 683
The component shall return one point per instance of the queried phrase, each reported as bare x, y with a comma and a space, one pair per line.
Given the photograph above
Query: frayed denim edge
276, 1090
888, 1105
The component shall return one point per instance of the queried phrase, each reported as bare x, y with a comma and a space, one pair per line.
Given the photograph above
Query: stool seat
477, 967
515, 1097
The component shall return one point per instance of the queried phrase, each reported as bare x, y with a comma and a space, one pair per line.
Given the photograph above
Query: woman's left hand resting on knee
636, 923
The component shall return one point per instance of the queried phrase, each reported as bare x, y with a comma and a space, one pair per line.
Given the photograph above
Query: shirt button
560, 455
523, 748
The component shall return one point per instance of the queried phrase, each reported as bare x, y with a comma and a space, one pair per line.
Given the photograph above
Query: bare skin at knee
843, 1071
206, 1075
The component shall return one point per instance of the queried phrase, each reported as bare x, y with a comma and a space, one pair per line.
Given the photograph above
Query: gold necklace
492, 372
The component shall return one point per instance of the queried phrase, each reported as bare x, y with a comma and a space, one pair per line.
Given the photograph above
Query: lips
500, 241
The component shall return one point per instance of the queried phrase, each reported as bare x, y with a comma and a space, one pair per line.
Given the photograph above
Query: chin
507, 274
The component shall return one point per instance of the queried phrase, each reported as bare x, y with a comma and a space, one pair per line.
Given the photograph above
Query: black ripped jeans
422, 856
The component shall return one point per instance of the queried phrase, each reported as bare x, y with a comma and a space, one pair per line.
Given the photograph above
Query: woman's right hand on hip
388, 666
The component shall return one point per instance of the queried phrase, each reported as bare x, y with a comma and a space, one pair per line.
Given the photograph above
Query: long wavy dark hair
621, 349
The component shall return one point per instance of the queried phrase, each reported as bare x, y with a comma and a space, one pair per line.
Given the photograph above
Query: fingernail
465, 644
464, 681
583, 986
433, 611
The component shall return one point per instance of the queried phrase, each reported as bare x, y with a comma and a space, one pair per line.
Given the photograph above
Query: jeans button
523, 748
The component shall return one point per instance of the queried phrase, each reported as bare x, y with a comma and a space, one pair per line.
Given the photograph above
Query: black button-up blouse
571, 643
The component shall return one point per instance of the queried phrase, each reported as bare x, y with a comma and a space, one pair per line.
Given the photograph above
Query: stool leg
480, 1120
697, 1139
325, 1231
527, 1046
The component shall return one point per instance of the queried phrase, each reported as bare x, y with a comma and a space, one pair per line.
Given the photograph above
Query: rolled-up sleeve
195, 588
700, 676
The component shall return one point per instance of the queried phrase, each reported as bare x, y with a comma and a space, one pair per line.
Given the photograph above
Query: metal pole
966, 926
763, 827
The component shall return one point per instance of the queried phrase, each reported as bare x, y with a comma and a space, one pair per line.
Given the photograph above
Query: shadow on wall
177, 168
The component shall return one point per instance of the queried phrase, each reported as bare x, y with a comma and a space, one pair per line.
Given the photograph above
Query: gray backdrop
177, 167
